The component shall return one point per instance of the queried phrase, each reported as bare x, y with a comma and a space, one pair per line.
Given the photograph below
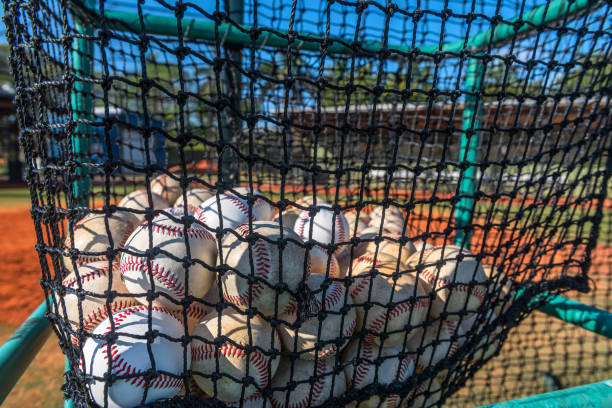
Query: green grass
14, 197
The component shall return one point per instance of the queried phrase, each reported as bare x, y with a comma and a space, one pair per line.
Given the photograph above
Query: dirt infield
20, 291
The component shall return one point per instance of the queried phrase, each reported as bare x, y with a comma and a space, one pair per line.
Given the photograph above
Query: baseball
195, 197
130, 356
264, 211
367, 364
307, 392
326, 227
360, 223
488, 344
234, 352
288, 217
90, 237
139, 200
94, 278
171, 278
365, 238
268, 269
396, 306
303, 332
458, 284
168, 187
319, 260
234, 211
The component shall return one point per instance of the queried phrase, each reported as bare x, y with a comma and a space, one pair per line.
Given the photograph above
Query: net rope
454, 155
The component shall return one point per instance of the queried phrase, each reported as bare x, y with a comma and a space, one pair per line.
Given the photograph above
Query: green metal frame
597, 395
20, 349
82, 105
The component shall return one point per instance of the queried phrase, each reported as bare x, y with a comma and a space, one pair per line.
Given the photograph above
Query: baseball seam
257, 359
166, 278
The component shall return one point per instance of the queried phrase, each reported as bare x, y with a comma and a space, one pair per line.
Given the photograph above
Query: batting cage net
293, 203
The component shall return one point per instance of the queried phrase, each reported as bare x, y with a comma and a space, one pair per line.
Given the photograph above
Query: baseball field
540, 344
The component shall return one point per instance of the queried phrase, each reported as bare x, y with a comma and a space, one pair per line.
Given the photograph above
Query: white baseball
302, 333
327, 227
264, 210
166, 268
234, 211
451, 281
92, 240
360, 223
263, 293
432, 344
328, 384
139, 200
93, 278
225, 354
366, 364
395, 306
168, 187
323, 263
130, 356
391, 226
195, 197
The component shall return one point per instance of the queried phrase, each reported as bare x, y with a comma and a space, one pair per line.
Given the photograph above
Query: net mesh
484, 125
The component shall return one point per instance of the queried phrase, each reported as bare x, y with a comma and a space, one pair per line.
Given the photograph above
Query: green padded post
199, 29
17, 353
81, 102
469, 150
597, 395
584, 316
230, 126
68, 403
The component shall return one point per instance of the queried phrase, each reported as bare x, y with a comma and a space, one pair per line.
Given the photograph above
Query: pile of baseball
190, 292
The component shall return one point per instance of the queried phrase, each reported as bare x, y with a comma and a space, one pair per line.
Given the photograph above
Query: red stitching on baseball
121, 367
262, 259
379, 323
301, 224
364, 282
461, 287
87, 276
341, 231
166, 278
177, 231
241, 205
257, 359
120, 316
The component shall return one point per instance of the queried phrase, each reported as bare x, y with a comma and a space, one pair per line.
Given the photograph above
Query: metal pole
80, 98
597, 395
231, 124
19, 351
199, 29
468, 153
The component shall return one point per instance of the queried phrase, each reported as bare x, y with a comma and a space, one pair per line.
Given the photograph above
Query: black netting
466, 145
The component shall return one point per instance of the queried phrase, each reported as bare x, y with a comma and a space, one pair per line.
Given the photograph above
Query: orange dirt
20, 291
